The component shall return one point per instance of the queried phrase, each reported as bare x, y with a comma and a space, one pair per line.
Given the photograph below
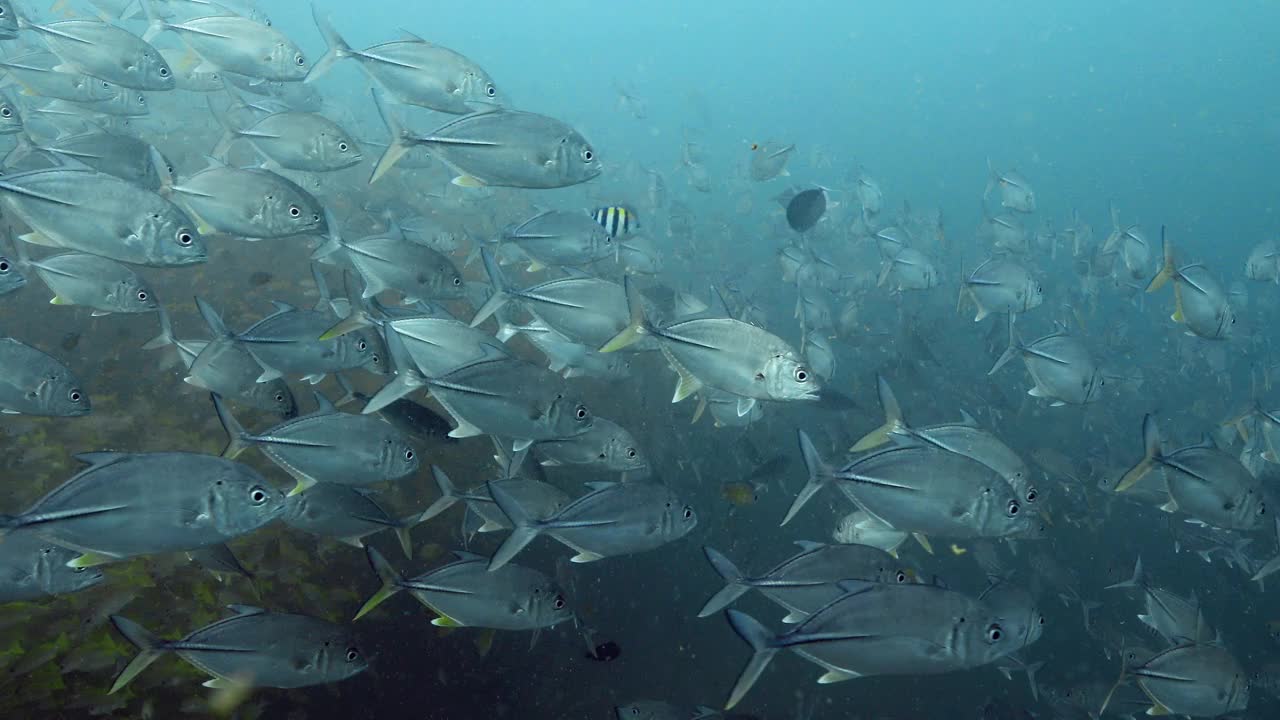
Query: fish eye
1032, 495
352, 655
299, 60
587, 155
295, 211
185, 238
342, 147
688, 513
901, 577
994, 633
559, 602
1042, 620
106, 85
74, 395
257, 496
361, 345
457, 281
142, 295
802, 375
142, 100
631, 453
580, 413
6, 111
408, 454
4, 265
279, 397
490, 90
1013, 508
315, 217
164, 71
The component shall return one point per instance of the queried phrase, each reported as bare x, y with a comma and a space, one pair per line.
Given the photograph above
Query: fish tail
333, 239
391, 581
335, 47
357, 320
1107, 700
166, 331
819, 475
734, 587
1151, 454
892, 418
237, 441
501, 294
639, 325
150, 648
525, 528
407, 379
763, 648
448, 495
1010, 351
397, 148
1136, 581
212, 319
1169, 269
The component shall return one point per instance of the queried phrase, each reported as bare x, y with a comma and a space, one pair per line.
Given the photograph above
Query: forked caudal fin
734, 587
763, 649
1150, 455
820, 475
639, 325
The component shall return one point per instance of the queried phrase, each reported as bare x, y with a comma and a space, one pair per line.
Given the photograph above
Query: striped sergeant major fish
616, 219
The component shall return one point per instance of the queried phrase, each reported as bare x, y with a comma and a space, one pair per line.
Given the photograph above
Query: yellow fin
875, 438
484, 641
373, 602
535, 266
924, 542
687, 384
445, 621
1134, 476
1157, 709
957, 550
468, 181
57, 300
303, 484
91, 559
702, 407
1177, 315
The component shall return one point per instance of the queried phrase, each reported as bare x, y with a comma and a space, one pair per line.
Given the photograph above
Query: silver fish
106, 52
129, 504
613, 519
11, 278
465, 593
250, 203
560, 237
921, 489
240, 45
288, 342
392, 263
999, 285
539, 499
860, 528
768, 163
346, 513
34, 383
1173, 617
1016, 192
223, 366
124, 156
724, 354
963, 437
301, 141
1206, 483
253, 647
880, 629
327, 446
82, 209
95, 282
1061, 367
809, 579
501, 147
606, 445
46, 76
1263, 264
909, 269
584, 309
1198, 680
32, 568
413, 70
1199, 300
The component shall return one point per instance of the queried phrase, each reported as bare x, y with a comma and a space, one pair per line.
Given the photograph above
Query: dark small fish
607, 651
806, 208
414, 419
260, 278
